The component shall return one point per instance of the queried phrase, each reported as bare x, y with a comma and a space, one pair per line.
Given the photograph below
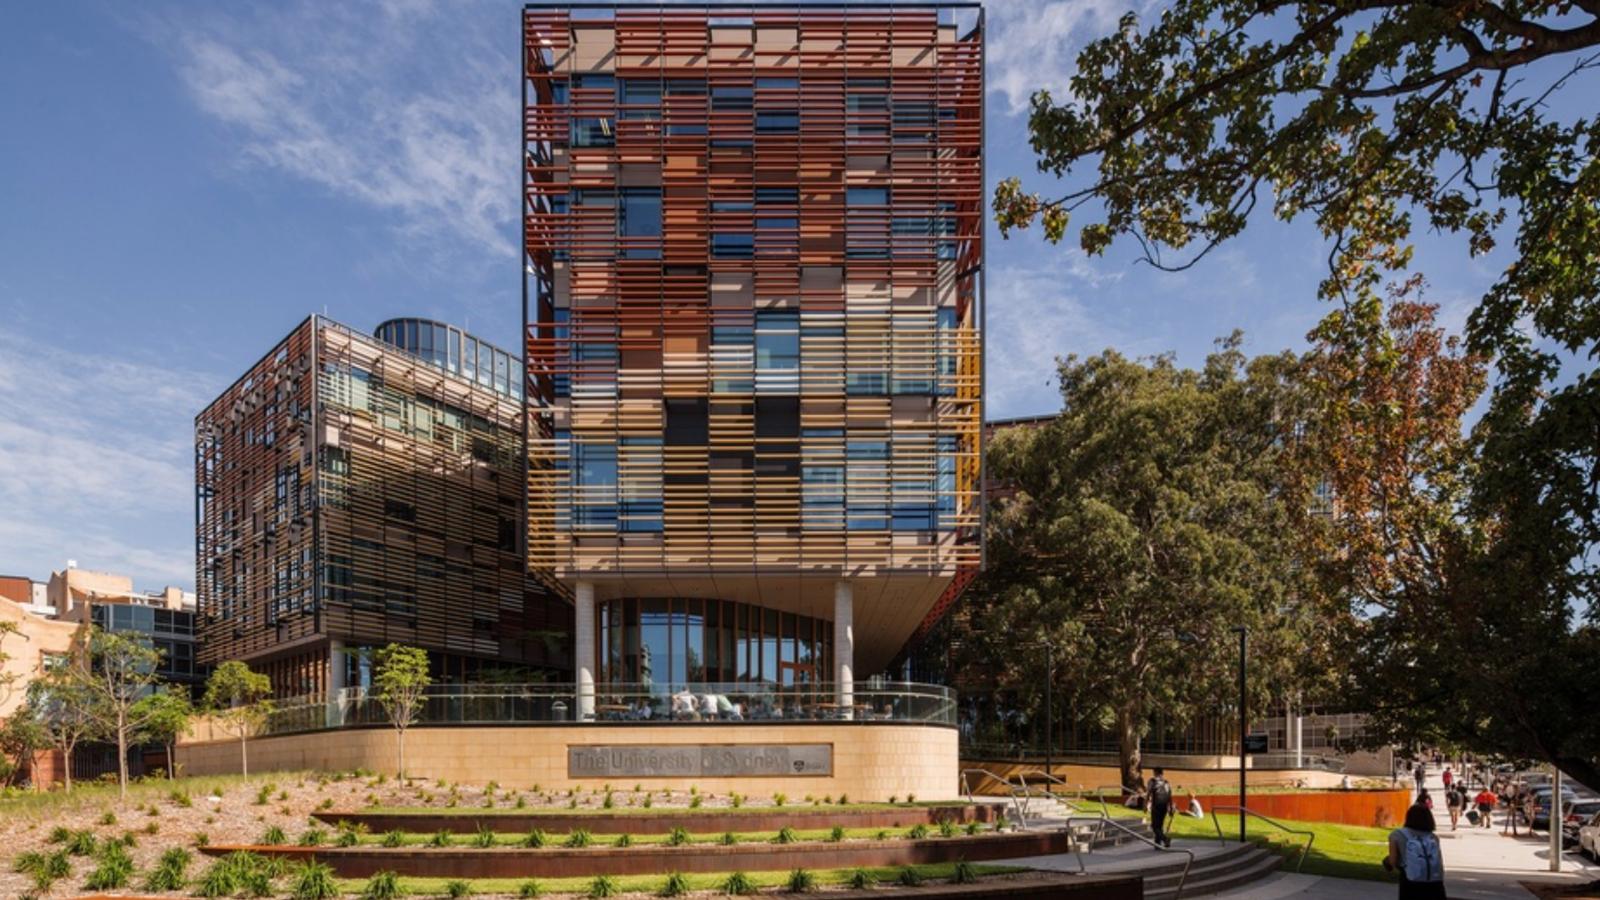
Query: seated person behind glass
728, 708
683, 705
643, 710
708, 705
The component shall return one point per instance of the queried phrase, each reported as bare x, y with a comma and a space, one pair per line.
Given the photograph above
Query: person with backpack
1159, 792
1485, 802
1415, 855
1455, 800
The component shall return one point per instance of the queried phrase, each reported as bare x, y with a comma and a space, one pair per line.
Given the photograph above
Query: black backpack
1160, 791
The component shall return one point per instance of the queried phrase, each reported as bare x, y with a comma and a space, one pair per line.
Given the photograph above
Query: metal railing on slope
1017, 810
1103, 822
1072, 804
1310, 836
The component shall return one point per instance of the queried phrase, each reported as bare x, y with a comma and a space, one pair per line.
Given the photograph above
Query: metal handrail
1104, 821
966, 788
1022, 779
1101, 793
1311, 836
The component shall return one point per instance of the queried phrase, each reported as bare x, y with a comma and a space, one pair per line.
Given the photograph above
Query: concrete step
1235, 867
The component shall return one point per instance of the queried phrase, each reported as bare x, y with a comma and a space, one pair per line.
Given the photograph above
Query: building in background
754, 256
352, 491
31, 595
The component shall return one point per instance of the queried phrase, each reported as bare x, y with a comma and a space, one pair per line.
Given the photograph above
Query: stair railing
1310, 836
1102, 822
1011, 789
1046, 792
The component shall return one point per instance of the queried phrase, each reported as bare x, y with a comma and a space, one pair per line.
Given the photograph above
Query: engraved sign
693, 760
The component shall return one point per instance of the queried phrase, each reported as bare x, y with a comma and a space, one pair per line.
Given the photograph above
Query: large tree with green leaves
1372, 119
167, 714
400, 684
1140, 527
239, 700
62, 704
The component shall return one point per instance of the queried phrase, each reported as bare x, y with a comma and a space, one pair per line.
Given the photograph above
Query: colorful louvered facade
753, 299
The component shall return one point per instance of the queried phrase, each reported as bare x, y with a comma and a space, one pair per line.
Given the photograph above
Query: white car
1589, 838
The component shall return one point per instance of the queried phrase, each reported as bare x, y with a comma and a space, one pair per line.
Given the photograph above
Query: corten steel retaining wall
663, 822
510, 862
1379, 809
871, 761
1225, 773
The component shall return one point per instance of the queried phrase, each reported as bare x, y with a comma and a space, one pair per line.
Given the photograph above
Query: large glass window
593, 131
639, 220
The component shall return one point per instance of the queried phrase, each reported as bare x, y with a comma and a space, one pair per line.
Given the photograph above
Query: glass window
732, 245
639, 221
866, 196
593, 132
777, 339
784, 122
730, 99
594, 81
777, 83
686, 87
640, 90
765, 195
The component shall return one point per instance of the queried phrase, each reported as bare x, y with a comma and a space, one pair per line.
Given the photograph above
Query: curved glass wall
661, 642
457, 352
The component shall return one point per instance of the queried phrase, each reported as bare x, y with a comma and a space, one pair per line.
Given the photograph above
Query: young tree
20, 738
167, 716
61, 703
8, 679
400, 684
118, 672
1141, 526
240, 701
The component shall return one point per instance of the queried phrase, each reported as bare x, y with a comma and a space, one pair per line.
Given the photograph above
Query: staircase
1238, 865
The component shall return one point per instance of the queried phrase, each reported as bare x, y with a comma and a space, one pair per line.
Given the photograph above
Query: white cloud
403, 106
92, 450
1033, 45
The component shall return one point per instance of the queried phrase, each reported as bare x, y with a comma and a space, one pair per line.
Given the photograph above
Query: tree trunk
66, 768
400, 742
122, 760
1128, 755
244, 755
170, 774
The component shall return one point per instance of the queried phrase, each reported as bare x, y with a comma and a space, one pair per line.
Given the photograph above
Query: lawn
1339, 851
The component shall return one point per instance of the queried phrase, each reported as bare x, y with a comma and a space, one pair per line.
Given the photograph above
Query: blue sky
180, 183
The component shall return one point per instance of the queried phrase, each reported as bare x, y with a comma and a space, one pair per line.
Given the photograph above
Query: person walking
1448, 777
1485, 802
1455, 800
1415, 856
1421, 775
1159, 793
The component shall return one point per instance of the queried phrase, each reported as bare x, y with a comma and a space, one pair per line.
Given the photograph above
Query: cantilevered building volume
753, 302
352, 491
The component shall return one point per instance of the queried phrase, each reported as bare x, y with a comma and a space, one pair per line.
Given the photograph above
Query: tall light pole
1244, 726
1049, 708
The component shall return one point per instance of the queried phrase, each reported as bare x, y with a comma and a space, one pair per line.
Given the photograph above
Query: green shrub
324, 805
484, 837
579, 837
646, 802
917, 832
862, 879
264, 795
349, 836
128, 839
694, 801
947, 828
219, 880
441, 838
735, 800
314, 881
894, 798
624, 840
675, 886
201, 839
273, 837
963, 873
168, 875
1000, 822
573, 803
738, 884
522, 803
110, 818
181, 798
152, 828
82, 843
844, 799
780, 799
59, 835
393, 839
801, 881
882, 835
678, 837
608, 802
114, 870
314, 837
383, 886
604, 886
256, 883
909, 877
27, 862
911, 798
529, 889
534, 838
457, 889
727, 839
837, 834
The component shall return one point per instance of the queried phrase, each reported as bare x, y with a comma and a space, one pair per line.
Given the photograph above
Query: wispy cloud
1033, 45
408, 107
94, 450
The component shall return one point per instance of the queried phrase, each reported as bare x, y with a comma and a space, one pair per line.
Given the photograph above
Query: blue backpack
1421, 861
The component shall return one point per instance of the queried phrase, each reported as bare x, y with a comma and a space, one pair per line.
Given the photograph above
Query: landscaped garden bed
664, 819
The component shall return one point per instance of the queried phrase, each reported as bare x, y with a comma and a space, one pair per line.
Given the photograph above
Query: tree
1140, 527
118, 671
62, 705
400, 684
20, 738
1374, 118
240, 701
8, 679
167, 715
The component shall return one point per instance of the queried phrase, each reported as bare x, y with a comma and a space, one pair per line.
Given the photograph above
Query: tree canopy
400, 684
240, 701
1143, 524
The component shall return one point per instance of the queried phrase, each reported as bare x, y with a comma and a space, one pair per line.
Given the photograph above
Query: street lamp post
1244, 727
1049, 707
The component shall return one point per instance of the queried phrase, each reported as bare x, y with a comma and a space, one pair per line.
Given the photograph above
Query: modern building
754, 257
355, 490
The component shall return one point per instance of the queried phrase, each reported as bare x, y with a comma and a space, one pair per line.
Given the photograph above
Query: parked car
1573, 817
1589, 838
1541, 797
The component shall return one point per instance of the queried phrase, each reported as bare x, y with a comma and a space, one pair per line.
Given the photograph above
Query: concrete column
1299, 725
583, 661
336, 685
844, 647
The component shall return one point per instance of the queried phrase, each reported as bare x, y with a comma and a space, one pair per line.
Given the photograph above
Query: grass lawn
1340, 851
651, 884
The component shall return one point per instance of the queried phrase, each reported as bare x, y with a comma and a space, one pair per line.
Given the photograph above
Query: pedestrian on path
1160, 794
1415, 855
1455, 800
1421, 775
1485, 802
1449, 778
